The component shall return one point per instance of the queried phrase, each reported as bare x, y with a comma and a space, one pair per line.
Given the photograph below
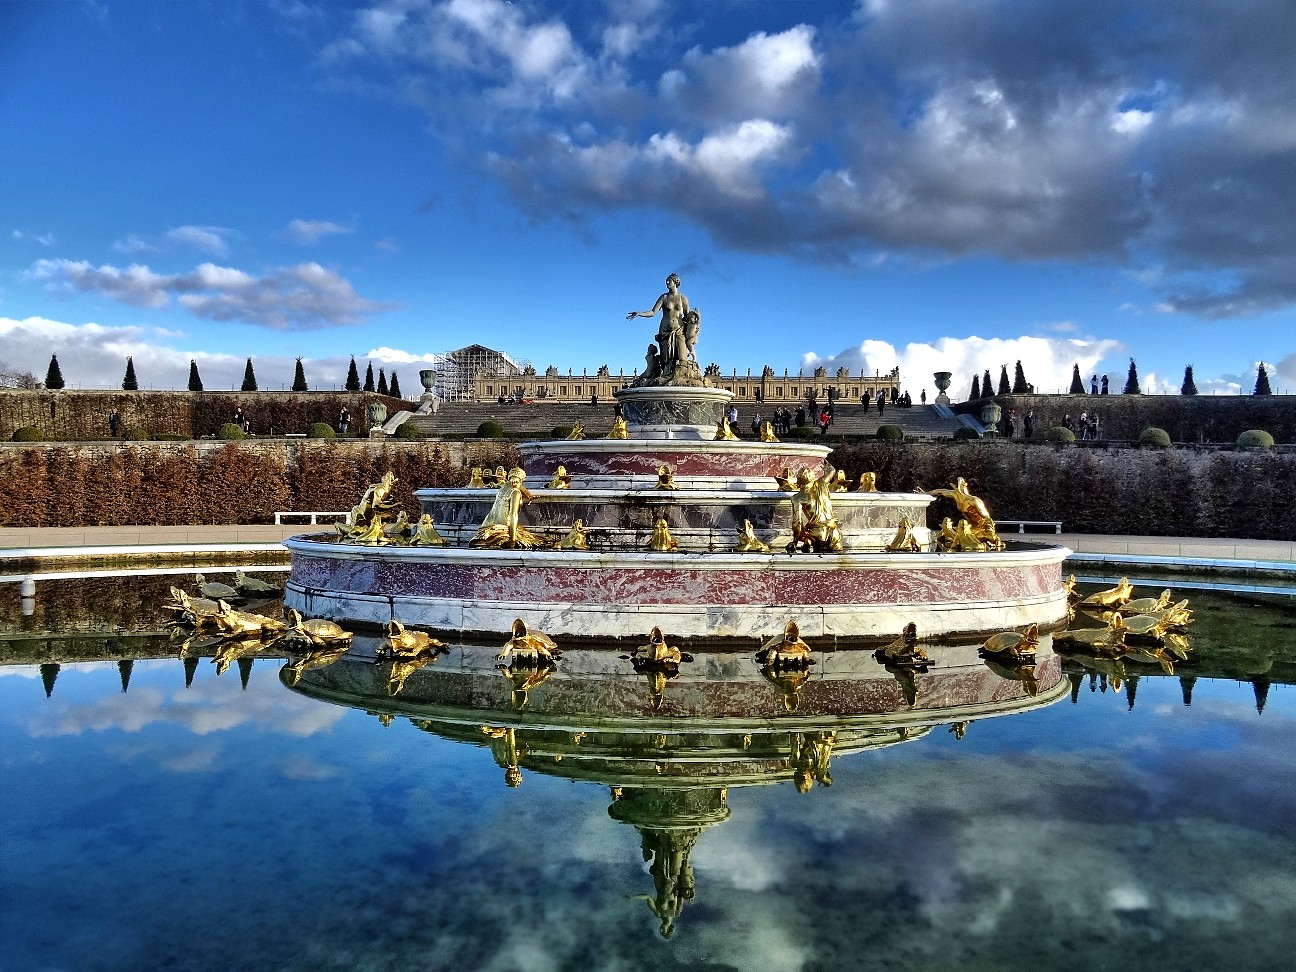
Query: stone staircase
461, 419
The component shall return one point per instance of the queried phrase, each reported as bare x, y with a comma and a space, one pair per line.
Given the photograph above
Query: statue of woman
501, 527
671, 344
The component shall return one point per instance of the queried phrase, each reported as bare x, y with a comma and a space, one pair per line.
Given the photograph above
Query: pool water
237, 823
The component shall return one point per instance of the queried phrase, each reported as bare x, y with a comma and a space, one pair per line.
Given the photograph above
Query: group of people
1088, 426
1012, 425
781, 419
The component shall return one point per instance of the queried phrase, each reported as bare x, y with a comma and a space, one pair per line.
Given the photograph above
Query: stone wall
1195, 418
83, 415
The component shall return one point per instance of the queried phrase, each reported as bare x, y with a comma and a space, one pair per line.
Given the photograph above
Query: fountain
672, 524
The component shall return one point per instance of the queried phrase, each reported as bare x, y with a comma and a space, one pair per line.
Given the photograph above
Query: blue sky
942, 184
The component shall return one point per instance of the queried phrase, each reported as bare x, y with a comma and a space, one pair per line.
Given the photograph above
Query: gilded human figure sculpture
814, 526
972, 509
620, 430
673, 361
501, 527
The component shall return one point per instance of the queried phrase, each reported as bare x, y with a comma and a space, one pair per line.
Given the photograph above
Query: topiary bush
28, 433
407, 430
490, 429
319, 430
963, 434
1060, 433
1255, 439
890, 433
231, 431
1154, 438
134, 435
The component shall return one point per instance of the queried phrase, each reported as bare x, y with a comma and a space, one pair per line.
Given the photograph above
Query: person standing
881, 403
801, 417
344, 420
1104, 385
756, 424
114, 422
923, 396
1029, 424
1012, 422
823, 422
1093, 385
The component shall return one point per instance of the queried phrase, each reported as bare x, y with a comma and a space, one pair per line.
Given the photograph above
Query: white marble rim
714, 446
1043, 554
720, 496
673, 392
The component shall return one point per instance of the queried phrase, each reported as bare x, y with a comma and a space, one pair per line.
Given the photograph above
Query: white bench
282, 513
1054, 525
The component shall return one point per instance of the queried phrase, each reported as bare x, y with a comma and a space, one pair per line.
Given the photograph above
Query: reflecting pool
608, 816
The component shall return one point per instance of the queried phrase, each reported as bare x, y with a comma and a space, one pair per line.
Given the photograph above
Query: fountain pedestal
672, 412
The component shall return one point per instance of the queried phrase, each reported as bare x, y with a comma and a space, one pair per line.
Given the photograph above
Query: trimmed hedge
964, 434
27, 433
1255, 439
1154, 438
408, 430
320, 430
231, 431
1060, 433
889, 433
490, 429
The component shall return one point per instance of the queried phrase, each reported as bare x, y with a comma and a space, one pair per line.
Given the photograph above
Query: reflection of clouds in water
24, 671
211, 705
303, 768
755, 937
199, 760
735, 852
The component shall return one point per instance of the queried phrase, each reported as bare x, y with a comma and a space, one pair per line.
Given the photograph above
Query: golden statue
620, 430
577, 432
724, 433
240, 623
972, 509
315, 631
528, 646
1146, 605
523, 675
767, 432
785, 481
904, 540
1113, 596
254, 585
1069, 585
811, 759
215, 590
1177, 615
661, 539
947, 540
194, 611
506, 752
1109, 640
658, 652
561, 479
425, 534
965, 541
814, 527
403, 643
365, 522
665, 477
748, 542
786, 650
400, 530
475, 480
1177, 644
867, 483
904, 651
292, 671
501, 527
577, 538
374, 533
839, 482
1013, 645
498, 478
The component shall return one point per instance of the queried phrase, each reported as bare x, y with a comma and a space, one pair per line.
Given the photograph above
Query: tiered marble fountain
620, 488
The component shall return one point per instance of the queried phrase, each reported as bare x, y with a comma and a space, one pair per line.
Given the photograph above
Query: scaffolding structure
458, 370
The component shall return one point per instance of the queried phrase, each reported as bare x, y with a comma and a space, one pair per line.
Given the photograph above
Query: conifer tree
1189, 387
1262, 381
299, 377
976, 388
987, 386
1077, 383
49, 673
124, 669
382, 382
369, 382
129, 383
249, 378
1004, 387
1131, 380
195, 381
1019, 381
353, 377
54, 376
394, 390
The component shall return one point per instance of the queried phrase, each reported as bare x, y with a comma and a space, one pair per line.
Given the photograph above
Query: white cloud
300, 297
309, 231
771, 75
132, 244
1046, 361
94, 356
44, 239
209, 239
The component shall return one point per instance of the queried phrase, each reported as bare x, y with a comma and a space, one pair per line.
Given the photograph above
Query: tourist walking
823, 422
881, 403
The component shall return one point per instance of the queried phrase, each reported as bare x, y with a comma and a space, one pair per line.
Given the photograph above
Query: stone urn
428, 377
942, 385
990, 416
377, 413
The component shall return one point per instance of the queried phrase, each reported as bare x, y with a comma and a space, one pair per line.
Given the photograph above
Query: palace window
576, 390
